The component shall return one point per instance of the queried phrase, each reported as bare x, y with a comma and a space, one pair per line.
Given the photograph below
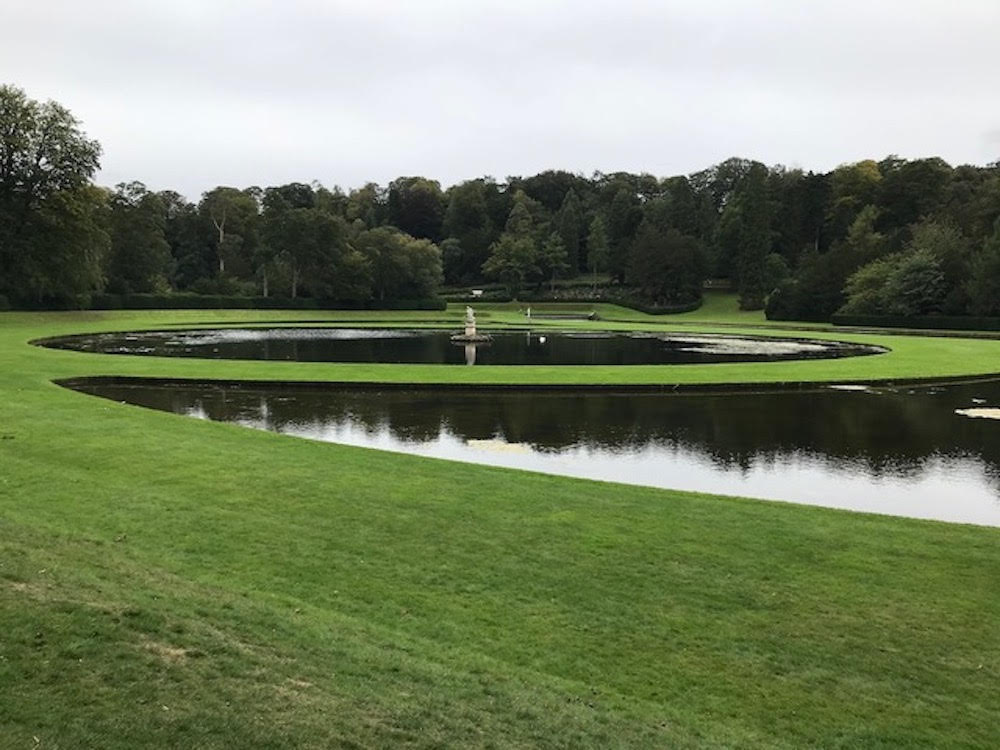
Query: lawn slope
166, 582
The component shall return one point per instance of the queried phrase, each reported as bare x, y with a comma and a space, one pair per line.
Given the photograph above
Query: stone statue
470, 322
470, 335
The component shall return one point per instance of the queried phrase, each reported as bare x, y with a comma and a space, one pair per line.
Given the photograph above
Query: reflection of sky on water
955, 487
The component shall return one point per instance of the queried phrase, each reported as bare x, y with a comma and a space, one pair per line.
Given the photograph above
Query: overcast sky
189, 94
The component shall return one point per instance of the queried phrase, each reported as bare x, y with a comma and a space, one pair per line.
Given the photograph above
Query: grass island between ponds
169, 582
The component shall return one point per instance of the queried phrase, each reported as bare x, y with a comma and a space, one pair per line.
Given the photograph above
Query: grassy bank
910, 356
167, 582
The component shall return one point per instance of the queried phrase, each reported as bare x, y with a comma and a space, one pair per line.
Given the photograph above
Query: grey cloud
190, 94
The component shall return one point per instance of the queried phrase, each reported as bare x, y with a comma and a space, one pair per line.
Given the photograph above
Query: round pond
398, 346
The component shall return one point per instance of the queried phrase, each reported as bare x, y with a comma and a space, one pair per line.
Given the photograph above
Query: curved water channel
909, 451
398, 346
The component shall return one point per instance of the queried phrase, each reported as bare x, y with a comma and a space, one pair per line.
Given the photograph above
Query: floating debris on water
498, 446
987, 413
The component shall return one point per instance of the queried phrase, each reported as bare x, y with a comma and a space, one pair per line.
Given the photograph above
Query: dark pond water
902, 451
436, 347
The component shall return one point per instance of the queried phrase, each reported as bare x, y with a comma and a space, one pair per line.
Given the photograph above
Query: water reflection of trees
883, 433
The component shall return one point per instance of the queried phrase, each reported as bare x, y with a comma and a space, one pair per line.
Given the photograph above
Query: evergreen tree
513, 261
570, 225
755, 238
552, 258
624, 217
514, 258
467, 223
682, 207
598, 251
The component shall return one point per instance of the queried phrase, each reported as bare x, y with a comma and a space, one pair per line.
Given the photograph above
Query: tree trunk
264, 274
221, 226
295, 282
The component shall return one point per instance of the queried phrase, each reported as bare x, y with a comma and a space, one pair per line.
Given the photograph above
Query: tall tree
331, 200
598, 251
69, 244
551, 187
416, 206
140, 259
400, 266
864, 241
727, 242
570, 225
852, 186
313, 244
944, 241
682, 203
190, 245
623, 218
755, 238
552, 258
666, 266
233, 214
367, 204
911, 190
513, 261
983, 284
520, 221
514, 258
45, 164
467, 222
721, 181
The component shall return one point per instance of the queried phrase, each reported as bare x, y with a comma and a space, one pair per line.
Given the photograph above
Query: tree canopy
805, 244
46, 163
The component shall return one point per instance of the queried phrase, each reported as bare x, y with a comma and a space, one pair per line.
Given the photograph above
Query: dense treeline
893, 237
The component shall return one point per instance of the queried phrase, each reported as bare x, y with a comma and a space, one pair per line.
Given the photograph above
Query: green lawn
910, 356
168, 582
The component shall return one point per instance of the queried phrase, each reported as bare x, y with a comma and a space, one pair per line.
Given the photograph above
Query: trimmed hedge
611, 299
932, 322
4, 303
218, 301
486, 296
655, 309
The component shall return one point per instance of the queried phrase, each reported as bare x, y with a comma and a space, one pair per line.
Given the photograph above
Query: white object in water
979, 413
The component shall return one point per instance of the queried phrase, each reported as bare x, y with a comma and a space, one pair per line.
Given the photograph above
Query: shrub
930, 322
187, 301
